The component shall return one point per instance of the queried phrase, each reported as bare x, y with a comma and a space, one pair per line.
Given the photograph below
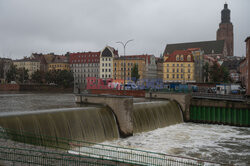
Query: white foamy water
218, 143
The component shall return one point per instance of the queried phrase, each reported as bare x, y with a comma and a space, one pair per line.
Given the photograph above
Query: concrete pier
122, 107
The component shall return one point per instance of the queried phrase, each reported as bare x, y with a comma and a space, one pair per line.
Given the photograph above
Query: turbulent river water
219, 143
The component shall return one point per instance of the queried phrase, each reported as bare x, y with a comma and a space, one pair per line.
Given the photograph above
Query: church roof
209, 47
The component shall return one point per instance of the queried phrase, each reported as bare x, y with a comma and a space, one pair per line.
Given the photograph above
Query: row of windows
106, 76
81, 56
177, 76
85, 70
106, 64
106, 70
106, 59
85, 75
177, 70
89, 60
125, 68
128, 64
58, 65
84, 65
182, 58
177, 65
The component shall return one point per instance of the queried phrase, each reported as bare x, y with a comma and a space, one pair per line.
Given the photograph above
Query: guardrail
101, 151
218, 96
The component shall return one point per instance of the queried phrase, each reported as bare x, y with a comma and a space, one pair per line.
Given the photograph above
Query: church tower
225, 31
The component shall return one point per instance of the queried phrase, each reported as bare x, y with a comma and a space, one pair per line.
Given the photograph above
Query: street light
124, 67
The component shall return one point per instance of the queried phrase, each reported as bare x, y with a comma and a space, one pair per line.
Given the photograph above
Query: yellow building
178, 67
59, 63
118, 67
31, 65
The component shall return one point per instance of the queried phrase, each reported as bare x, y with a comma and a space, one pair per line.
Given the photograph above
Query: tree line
61, 78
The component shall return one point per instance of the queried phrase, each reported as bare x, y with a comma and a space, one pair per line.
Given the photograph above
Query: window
173, 75
102, 70
173, 70
181, 57
167, 76
167, 70
115, 64
177, 57
106, 64
173, 65
181, 75
188, 65
177, 65
188, 76
167, 65
189, 58
109, 64
177, 70
177, 76
188, 70
102, 75
106, 70
103, 65
109, 70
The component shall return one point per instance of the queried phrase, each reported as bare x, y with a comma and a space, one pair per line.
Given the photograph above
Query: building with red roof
84, 65
179, 66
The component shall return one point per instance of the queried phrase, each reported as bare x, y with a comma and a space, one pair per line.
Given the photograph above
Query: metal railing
218, 96
102, 151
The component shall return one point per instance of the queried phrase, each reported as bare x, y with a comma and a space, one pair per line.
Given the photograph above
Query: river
218, 143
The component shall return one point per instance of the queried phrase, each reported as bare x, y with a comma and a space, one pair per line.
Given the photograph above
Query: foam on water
217, 143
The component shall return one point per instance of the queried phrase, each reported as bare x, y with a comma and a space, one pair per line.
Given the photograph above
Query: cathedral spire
225, 14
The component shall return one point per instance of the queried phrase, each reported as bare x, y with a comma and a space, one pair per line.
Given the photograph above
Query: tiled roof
209, 47
172, 57
84, 57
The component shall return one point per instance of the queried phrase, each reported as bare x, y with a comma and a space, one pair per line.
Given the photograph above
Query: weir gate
200, 108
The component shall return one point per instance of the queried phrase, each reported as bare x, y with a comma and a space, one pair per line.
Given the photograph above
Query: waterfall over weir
93, 124
148, 116
87, 123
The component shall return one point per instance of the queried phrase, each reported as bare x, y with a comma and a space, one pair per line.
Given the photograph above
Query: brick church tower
225, 31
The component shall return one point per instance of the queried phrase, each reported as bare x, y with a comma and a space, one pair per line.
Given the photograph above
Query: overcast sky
60, 26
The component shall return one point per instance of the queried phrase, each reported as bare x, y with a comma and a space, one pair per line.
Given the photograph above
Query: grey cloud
59, 26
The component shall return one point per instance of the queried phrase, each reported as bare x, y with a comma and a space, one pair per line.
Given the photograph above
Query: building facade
119, 67
84, 65
150, 71
106, 62
243, 73
59, 63
159, 65
215, 48
247, 65
225, 31
179, 67
31, 65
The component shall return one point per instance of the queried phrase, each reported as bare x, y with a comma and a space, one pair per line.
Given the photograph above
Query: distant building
179, 66
5, 64
159, 67
150, 71
44, 59
59, 63
84, 65
232, 64
216, 48
32, 65
243, 72
118, 67
225, 31
247, 65
106, 62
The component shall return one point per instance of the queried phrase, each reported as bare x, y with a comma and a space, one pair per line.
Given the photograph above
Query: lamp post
124, 67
